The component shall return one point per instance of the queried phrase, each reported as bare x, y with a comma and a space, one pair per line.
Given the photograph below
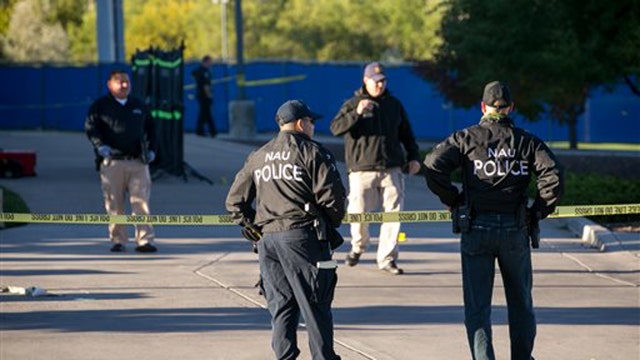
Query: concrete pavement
195, 299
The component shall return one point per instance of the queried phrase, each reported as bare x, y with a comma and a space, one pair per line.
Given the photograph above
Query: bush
13, 203
596, 189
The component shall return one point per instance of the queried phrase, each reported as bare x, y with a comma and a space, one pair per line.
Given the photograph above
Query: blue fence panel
612, 117
67, 94
58, 97
21, 103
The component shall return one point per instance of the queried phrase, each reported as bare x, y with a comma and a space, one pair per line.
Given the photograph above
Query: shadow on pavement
157, 320
412, 315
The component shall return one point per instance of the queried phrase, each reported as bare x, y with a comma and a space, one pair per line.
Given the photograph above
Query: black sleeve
346, 118
550, 181
328, 189
196, 76
241, 196
91, 126
407, 138
440, 163
150, 130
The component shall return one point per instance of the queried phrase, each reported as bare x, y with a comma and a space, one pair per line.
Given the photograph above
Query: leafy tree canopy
390, 30
552, 53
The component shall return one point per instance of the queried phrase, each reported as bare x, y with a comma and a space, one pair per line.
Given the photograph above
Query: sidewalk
195, 298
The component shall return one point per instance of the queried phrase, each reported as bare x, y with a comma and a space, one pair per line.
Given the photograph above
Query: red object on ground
17, 163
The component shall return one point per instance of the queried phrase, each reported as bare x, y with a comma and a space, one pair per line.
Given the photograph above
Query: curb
593, 235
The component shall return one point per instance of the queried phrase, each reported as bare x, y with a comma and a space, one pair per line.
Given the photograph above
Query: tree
6, 8
67, 12
166, 24
83, 37
325, 30
552, 53
31, 37
341, 29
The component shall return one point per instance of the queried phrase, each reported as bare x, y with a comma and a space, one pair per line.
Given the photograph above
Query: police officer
287, 177
497, 161
204, 95
122, 132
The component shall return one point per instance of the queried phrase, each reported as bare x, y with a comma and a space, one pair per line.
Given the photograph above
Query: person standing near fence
122, 133
498, 161
379, 147
204, 95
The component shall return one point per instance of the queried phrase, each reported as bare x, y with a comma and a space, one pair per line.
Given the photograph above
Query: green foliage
67, 12
387, 30
32, 36
6, 8
552, 53
590, 189
13, 203
82, 38
341, 29
163, 24
595, 189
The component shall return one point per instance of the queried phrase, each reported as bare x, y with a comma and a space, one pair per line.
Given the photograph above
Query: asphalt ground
195, 298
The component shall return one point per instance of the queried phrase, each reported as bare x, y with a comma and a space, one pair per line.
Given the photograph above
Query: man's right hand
251, 232
104, 151
365, 105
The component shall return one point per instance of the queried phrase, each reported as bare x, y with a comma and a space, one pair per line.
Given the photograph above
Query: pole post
241, 111
239, 50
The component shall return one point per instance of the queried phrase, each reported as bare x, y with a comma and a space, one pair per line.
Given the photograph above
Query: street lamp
224, 38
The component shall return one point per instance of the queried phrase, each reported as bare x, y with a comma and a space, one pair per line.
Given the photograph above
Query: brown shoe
393, 269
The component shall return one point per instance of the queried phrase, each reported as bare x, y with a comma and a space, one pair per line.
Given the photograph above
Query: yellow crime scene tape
240, 80
370, 217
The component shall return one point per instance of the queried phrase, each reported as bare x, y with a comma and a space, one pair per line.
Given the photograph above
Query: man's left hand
414, 167
152, 156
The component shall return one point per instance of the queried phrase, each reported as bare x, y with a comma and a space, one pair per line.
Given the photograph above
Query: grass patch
13, 203
595, 146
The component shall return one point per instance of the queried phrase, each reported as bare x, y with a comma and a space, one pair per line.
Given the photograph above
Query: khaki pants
118, 178
366, 190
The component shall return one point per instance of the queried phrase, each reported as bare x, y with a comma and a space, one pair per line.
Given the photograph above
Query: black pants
205, 118
292, 284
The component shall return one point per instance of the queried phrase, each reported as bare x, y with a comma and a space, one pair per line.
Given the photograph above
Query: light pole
241, 111
224, 37
239, 49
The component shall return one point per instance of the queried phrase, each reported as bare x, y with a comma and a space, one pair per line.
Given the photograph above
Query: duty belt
124, 157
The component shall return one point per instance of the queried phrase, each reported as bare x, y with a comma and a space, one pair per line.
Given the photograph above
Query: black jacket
375, 143
282, 176
202, 77
122, 127
498, 160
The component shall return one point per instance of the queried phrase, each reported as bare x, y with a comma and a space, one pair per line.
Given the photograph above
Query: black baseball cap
293, 110
496, 94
